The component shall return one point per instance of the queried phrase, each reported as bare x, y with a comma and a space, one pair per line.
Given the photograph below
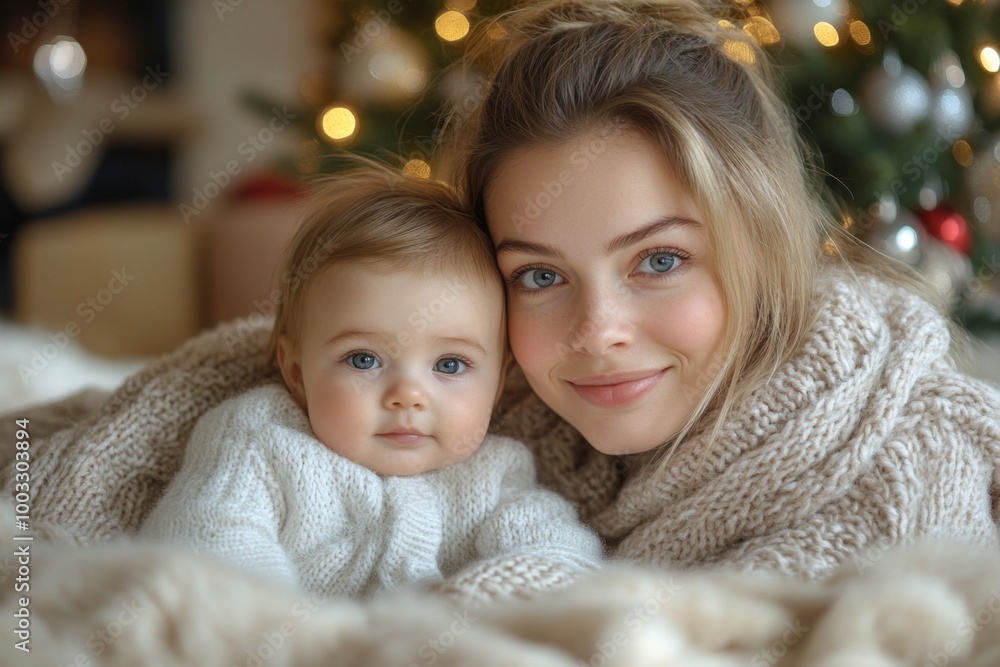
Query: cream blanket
122, 604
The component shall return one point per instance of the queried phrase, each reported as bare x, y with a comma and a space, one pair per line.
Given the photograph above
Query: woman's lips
616, 389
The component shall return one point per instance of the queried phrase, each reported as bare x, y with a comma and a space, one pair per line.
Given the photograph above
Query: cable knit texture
258, 490
866, 438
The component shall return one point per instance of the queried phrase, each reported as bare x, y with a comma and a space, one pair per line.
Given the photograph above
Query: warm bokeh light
829, 247
728, 25
738, 51
989, 59
460, 5
860, 33
338, 123
417, 169
962, 152
761, 31
955, 2
452, 26
826, 34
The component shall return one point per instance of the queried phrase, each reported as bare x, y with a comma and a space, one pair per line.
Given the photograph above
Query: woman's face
614, 307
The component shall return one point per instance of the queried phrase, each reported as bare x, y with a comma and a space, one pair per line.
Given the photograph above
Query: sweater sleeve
224, 500
532, 541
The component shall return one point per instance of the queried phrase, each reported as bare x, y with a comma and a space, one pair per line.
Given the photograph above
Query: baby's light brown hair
390, 221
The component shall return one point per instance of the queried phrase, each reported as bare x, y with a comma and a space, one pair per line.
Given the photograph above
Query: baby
369, 469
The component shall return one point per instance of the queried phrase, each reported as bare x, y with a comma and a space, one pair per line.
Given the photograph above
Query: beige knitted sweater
866, 438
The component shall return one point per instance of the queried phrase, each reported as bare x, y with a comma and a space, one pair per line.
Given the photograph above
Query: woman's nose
603, 324
405, 392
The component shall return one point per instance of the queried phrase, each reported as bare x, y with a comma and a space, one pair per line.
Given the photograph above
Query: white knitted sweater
258, 490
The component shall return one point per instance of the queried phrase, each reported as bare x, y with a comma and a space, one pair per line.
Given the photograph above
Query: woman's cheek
531, 345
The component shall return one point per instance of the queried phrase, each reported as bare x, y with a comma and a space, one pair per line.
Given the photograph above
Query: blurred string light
338, 124
452, 26
739, 51
842, 103
60, 66
962, 152
826, 34
460, 5
761, 31
989, 58
417, 169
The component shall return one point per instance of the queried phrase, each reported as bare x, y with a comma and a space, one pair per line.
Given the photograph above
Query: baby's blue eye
449, 365
540, 278
660, 262
363, 361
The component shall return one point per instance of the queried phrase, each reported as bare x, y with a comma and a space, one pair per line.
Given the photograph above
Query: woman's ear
291, 370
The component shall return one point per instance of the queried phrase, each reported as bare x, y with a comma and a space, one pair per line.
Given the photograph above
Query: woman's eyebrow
644, 232
513, 245
615, 244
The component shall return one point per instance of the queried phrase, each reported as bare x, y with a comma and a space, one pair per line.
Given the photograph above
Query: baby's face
397, 371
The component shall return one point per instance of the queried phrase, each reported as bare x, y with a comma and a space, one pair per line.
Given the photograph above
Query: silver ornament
900, 237
947, 270
894, 96
952, 111
984, 188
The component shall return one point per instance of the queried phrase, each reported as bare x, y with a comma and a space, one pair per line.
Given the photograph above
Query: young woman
721, 376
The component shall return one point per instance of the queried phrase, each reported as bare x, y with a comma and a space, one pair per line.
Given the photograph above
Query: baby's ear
291, 370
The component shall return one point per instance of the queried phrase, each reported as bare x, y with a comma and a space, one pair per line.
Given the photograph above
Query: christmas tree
900, 100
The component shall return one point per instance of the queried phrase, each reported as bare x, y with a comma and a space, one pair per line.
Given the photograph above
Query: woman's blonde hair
682, 74
377, 215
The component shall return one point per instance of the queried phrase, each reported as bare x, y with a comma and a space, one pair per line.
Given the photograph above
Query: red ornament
948, 226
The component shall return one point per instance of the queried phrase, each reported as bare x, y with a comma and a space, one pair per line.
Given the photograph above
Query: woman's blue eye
660, 262
363, 361
539, 278
450, 366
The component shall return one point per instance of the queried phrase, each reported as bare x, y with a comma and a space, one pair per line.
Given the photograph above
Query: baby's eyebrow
466, 342
359, 335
